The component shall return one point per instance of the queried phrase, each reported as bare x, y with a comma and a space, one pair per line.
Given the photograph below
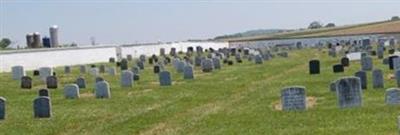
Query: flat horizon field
239, 99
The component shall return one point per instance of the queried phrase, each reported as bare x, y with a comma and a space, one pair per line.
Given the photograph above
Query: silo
54, 36
46, 42
29, 40
36, 40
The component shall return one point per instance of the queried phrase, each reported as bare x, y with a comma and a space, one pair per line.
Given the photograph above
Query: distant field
237, 99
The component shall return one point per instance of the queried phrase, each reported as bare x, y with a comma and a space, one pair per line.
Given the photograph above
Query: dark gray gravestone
42, 107
36, 73
293, 98
44, 92
142, 58
258, 59
338, 68
197, 61
216, 63
17, 72
230, 62
129, 57
363, 78
314, 66
99, 79
51, 82
140, 64
112, 71
67, 69
126, 79
80, 81
366, 63
392, 96
179, 66
94, 71
332, 86
345, 61
26, 82
165, 78
2, 108
111, 60
380, 51
188, 72
135, 70
136, 77
349, 93
385, 61
207, 65
102, 90
162, 51
377, 78
124, 64
172, 51
102, 69
82, 69
397, 76
156, 69
71, 91
396, 63
391, 65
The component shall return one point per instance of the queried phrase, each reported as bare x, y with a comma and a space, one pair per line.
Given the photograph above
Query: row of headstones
348, 92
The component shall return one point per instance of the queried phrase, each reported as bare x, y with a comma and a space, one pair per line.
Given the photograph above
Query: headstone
366, 63
391, 61
216, 63
26, 82
126, 79
124, 64
44, 92
314, 67
293, 98
156, 69
142, 58
230, 62
258, 59
111, 60
71, 91
207, 65
349, 93
136, 77
82, 69
51, 82
129, 57
42, 107
135, 70
345, 61
112, 71
80, 81
140, 65
165, 78
179, 66
102, 90
36, 73
197, 61
99, 79
173, 51
397, 76
188, 72
2, 108
392, 96
67, 69
363, 78
17, 72
396, 63
377, 78
45, 72
94, 71
102, 69
162, 51
332, 86
338, 68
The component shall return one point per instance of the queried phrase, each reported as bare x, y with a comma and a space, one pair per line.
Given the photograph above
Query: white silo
54, 35
37, 41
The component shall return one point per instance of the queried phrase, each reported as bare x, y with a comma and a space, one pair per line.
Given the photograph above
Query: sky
138, 21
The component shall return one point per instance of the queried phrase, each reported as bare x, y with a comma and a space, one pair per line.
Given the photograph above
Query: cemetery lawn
238, 99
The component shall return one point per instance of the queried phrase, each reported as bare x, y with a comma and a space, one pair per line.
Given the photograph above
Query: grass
237, 99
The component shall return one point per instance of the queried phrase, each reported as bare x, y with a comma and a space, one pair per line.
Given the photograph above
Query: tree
315, 25
330, 25
395, 18
4, 43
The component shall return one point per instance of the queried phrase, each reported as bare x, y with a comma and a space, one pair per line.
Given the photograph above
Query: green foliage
253, 33
395, 18
315, 25
4, 43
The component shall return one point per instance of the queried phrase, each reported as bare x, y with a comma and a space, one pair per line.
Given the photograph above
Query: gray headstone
179, 66
102, 69
197, 61
396, 63
366, 63
102, 90
140, 64
18, 72
67, 69
99, 79
111, 60
293, 98
162, 51
26, 82
135, 70
71, 91
94, 71
377, 78
126, 79
258, 59
397, 76
216, 63
124, 64
363, 78
2, 108
52, 82
349, 93
392, 96
82, 69
42, 107
44, 72
142, 58
207, 65
165, 78
80, 81
188, 72
129, 57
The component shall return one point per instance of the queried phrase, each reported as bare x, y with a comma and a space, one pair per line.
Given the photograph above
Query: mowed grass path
237, 99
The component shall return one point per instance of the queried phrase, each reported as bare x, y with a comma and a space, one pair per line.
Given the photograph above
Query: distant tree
330, 25
395, 18
315, 25
4, 43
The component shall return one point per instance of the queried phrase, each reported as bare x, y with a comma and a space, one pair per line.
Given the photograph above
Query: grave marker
42, 107
293, 98
52, 82
377, 78
349, 93
102, 90
71, 91
314, 67
392, 96
165, 78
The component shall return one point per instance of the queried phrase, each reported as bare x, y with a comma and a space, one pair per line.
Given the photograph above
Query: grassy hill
238, 99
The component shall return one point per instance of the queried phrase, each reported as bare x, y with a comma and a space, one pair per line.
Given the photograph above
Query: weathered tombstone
36, 73
392, 96
162, 51
363, 78
111, 60
126, 79
26, 82
80, 81
293, 98
112, 71
102, 90
71, 91
385, 61
216, 63
188, 72
165, 78
102, 69
396, 63
349, 93
230, 62
332, 86
135, 70
258, 59
377, 78
82, 69
140, 65
94, 71
136, 77
45, 72
99, 79
366, 63
156, 69
51, 82
179, 66
67, 69
173, 51
314, 66
142, 58
129, 57
207, 65
2, 108
345, 61
18, 72
42, 107
44, 92
197, 61
391, 59
124, 64
338, 68
397, 76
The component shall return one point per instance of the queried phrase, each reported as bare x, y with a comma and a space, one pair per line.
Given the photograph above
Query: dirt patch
86, 95
391, 76
311, 103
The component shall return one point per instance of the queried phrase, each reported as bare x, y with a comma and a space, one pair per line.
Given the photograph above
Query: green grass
237, 99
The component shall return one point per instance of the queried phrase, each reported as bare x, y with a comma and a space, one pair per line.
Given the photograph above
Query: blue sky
130, 21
